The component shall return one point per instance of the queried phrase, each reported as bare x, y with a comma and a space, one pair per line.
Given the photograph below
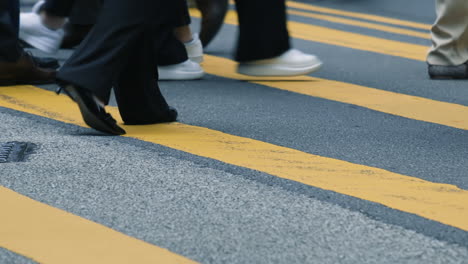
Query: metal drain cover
15, 151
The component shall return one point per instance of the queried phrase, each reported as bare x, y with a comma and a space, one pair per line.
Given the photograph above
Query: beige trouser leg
450, 33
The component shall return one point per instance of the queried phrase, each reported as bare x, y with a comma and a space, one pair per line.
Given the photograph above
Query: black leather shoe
46, 63
448, 72
93, 113
213, 13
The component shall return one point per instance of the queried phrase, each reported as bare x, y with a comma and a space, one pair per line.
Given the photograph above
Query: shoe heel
59, 90
67, 91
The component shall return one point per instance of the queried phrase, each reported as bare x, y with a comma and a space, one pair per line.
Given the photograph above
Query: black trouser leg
85, 12
137, 92
263, 29
183, 19
14, 13
102, 57
9, 48
61, 8
172, 51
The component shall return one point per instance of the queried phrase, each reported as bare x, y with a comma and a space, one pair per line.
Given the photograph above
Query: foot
448, 72
24, 71
46, 63
35, 33
187, 70
213, 13
291, 63
93, 111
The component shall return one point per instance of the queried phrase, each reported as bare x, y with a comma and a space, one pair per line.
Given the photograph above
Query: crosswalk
442, 202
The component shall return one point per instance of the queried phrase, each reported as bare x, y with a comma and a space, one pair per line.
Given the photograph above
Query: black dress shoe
213, 13
46, 63
448, 72
93, 113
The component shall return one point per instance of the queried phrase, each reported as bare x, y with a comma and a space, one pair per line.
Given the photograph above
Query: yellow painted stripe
52, 236
346, 39
365, 16
418, 108
358, 23
444, 203
390, 29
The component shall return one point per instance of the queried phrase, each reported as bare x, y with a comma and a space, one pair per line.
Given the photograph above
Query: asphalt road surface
365, 161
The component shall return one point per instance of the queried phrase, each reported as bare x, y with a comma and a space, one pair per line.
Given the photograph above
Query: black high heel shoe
93, 113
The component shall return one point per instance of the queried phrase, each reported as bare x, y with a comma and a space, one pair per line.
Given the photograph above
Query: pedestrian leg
449, 52
263, 30
137, 92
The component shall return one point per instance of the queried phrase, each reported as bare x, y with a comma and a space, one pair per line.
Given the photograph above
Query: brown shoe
24, 71
213, 13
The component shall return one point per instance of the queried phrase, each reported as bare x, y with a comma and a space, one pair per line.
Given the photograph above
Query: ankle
52, 22
183, 34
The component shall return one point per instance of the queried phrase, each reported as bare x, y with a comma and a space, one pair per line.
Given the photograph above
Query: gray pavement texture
203, 213
8, 257
213, 212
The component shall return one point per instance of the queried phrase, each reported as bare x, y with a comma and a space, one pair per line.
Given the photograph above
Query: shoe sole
181, 76
444, 77
89, 118
276, 70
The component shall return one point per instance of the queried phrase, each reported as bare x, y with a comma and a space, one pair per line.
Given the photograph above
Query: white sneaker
33, 32
291, 63
194, 49
187, 70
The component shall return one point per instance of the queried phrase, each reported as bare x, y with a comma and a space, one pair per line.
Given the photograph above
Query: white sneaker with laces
291, 63
33, 32
194, 49
187, 70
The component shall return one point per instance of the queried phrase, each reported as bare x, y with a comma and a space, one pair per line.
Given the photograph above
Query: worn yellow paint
345, 39
357, 23
365, 16
418, 108
51, 236
444, 203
